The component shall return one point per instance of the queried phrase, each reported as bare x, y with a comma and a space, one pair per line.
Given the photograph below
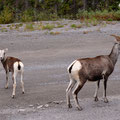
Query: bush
6, 16
45, 16
99, 15
117, 15
27, 16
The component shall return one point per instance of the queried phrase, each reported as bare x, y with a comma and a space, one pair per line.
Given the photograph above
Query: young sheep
13, 65
92, 69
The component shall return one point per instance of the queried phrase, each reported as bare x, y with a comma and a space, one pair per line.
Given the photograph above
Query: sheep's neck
114, 54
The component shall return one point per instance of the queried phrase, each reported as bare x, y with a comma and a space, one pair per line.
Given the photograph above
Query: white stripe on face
2, 54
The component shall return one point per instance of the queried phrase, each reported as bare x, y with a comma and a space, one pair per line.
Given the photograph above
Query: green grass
76, 26
48, 27
29, 27
54, 33
60, 26
73, 26
4, 30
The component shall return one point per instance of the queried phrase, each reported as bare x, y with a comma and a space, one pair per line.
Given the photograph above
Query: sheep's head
2, 53
117, 41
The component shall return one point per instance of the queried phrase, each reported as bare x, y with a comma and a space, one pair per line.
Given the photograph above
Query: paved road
46, 58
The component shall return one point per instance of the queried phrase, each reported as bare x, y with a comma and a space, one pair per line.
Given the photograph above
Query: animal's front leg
7, 80
104, 90
96, 91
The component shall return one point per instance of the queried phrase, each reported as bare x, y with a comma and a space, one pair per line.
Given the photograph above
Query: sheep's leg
14, 83
7, 79
68, 90
96, 91
104, 90
22, 83
75, 93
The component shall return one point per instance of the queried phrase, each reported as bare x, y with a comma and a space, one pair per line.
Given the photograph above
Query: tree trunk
85, 4
74, 8
26, 4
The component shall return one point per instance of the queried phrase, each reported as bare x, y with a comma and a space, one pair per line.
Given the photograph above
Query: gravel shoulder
46, 58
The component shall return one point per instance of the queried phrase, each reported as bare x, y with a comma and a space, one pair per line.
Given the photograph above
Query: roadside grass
4, 30
87, 19
55, 33
29, 27
48, 27
74, 26
59, 26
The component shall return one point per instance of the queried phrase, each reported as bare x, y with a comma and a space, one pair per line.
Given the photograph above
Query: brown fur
92, 69
8, 63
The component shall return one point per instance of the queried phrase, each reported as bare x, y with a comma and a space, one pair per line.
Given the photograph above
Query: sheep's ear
6, 49
117, 38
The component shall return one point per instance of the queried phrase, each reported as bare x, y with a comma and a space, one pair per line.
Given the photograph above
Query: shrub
27, 16
47, 16
6, 16
99, 15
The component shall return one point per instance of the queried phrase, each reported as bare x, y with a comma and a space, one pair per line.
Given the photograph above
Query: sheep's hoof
23, 92
13, 96
69, 106
80, 108
96, 99
106, 100
6, 87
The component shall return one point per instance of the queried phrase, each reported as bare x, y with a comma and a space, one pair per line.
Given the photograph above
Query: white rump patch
77, 66
16, 66
21, 64
70, 65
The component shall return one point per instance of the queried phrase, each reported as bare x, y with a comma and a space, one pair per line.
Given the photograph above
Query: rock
21, 110
30, 105
39, 106
46, 105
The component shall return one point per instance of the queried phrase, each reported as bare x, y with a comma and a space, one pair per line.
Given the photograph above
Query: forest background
12, 11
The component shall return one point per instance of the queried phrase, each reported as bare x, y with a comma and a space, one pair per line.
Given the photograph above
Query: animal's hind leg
14, 83
68, 90
96, 91
75, 93
22, 83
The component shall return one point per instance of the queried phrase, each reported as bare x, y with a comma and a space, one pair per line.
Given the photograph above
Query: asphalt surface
46, 58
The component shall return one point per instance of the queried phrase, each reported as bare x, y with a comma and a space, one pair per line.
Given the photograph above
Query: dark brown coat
94, 68
8, 63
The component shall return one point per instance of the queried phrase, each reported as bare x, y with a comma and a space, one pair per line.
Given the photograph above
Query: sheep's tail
19, 67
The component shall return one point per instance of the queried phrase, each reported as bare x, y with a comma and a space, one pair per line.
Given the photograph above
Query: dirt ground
46, 58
